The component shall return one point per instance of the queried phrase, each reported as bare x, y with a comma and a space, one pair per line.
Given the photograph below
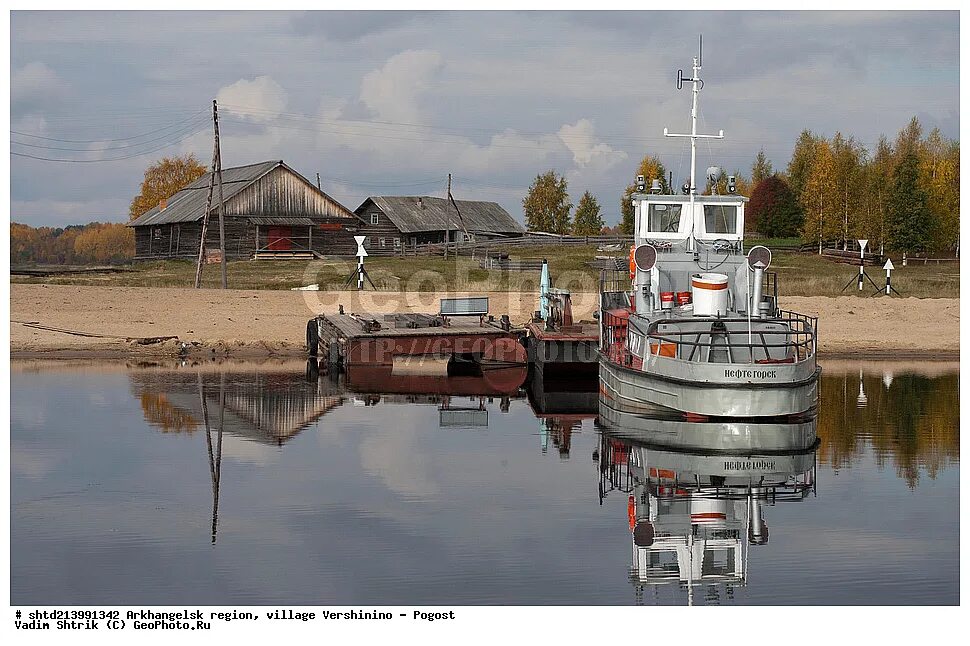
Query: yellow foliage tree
939, 170
819, 198
651, 168
105, 243
163, 179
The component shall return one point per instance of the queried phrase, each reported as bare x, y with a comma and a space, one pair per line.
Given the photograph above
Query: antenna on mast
698, 85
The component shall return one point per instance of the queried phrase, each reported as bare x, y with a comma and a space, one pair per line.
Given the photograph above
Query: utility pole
208, 206
222, 201
458, 211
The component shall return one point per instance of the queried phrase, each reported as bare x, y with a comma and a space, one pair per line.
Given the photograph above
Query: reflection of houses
268, 407
271, 211
693, 514
390, 222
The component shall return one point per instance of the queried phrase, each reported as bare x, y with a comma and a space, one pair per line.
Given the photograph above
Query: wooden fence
482, 247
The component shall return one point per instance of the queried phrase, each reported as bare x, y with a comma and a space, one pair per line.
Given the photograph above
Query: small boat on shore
696, 327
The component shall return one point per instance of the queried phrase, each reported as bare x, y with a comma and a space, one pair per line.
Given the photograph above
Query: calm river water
123, 491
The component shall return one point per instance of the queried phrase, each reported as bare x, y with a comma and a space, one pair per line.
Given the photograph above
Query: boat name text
731, 373
749, 465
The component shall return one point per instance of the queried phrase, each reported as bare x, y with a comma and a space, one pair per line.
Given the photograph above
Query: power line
97, 161
174, 133
98, 141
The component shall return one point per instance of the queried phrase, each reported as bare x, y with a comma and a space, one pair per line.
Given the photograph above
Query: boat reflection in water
694, 511
561, 402
459, 391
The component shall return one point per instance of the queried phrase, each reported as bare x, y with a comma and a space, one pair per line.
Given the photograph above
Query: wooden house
271, 211
392, 221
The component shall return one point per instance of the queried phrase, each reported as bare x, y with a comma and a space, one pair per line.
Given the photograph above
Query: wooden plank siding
282, 193
182, 240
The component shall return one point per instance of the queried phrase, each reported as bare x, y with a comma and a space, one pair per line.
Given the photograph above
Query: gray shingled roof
412, 214
188, 204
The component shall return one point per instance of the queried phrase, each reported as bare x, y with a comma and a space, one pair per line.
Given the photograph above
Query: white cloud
35, 81
393, 91
259, 100
581, 142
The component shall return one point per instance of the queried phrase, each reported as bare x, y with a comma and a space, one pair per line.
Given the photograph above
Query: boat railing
798, 339
614, 281
771, 290
802, 320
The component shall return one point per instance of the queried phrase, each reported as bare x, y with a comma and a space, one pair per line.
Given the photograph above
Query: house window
383, 242
397, 243
375, 218
157, 233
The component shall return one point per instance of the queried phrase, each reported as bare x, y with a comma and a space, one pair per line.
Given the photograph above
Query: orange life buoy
633, 263
631, 512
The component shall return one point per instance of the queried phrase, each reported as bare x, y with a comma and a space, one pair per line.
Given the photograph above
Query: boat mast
697, 86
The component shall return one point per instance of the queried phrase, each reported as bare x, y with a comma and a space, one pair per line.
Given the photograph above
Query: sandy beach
266, 323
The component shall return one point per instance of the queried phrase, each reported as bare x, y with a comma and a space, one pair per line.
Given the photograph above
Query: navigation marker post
862, 268
360, 273
889, 287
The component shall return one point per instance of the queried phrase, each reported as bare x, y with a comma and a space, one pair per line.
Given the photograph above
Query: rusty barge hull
346, 340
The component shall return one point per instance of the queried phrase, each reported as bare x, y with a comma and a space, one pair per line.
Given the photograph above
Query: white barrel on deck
709, 293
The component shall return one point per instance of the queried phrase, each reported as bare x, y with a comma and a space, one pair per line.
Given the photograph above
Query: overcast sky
388, 103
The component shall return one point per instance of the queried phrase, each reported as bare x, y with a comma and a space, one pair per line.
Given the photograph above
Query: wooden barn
271, 212
392, 221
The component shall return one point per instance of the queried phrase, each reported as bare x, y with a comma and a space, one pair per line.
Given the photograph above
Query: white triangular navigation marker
361, 252
889, 265
862, 245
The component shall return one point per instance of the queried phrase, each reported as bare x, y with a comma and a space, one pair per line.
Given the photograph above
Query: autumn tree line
102, 242
97, 243
903, 195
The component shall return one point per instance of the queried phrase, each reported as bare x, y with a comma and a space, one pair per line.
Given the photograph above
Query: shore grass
799, 274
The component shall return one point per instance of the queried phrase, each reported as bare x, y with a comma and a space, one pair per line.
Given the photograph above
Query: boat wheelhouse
696, 326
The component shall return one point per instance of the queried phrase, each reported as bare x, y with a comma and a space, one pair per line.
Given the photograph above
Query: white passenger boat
696, 326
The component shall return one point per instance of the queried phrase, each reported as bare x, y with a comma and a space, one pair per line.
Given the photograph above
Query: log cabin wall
336, 238
181, 240
386, 231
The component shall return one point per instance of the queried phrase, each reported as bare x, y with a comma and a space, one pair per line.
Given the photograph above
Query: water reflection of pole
215, 460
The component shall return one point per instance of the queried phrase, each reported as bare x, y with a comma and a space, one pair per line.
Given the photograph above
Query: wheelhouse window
721, 218
375, 218
663, 218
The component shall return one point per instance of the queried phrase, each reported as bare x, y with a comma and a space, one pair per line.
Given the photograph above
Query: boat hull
712, 390
737, 437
